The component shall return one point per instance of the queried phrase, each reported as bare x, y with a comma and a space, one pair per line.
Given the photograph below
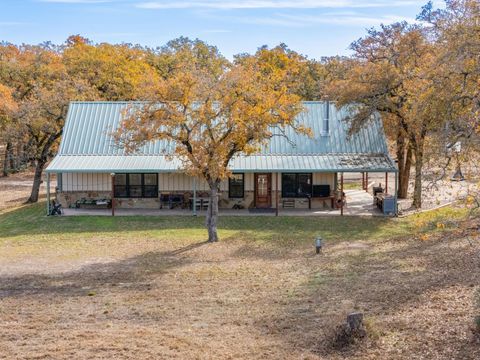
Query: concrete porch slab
359, 203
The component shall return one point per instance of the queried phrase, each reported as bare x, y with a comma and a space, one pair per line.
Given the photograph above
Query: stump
350, 332
355, 323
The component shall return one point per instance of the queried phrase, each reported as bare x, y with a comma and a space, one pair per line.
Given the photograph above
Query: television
321, 191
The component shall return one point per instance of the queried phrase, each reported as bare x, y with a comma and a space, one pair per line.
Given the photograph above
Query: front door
263, 190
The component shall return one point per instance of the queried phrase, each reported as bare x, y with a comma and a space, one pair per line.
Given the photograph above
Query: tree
116, 72
44, 79
309, 81
456, 33
212, 113
389, 74
7, 107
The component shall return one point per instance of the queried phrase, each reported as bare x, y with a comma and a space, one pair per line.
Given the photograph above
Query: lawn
150, 287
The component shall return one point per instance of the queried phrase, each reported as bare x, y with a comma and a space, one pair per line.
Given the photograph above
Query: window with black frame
236, 186
136, 185
296, 185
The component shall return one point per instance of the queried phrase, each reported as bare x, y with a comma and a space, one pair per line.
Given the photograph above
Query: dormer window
326, 120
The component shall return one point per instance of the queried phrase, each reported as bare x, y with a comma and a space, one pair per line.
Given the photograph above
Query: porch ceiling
252, 163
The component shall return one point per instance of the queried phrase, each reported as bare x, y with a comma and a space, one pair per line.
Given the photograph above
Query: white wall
86, 182
171, 182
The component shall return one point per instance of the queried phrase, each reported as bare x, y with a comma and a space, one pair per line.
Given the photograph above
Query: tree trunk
212, 212
404, 157
7, 162
417, 191
37, 180
40, 165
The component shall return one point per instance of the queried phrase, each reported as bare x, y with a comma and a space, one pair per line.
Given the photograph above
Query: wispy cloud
344, 19
274, 4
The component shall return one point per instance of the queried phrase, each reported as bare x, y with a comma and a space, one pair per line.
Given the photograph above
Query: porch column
113, 193
194, 203
276, 193
396, 193
48, 193
341, 194
386, 183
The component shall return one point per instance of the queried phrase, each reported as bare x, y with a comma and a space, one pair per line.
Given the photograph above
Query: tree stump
355, 322
350, 332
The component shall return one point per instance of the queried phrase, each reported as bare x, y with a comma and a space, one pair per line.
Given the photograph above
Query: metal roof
88, 146
252, 163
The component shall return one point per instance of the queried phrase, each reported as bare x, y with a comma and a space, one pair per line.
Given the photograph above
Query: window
236, 186
296, 185
136, 185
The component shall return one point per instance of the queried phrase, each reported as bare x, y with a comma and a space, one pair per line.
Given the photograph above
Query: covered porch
259, 185
358, 203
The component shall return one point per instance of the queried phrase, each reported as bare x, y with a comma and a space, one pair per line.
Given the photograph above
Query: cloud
274, 4
345, 19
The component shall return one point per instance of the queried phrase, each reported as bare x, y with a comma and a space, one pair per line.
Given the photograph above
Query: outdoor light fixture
318, 244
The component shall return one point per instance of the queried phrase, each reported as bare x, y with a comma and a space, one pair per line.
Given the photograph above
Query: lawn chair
202, 203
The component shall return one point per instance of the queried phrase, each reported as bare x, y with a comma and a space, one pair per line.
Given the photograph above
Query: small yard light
318, 244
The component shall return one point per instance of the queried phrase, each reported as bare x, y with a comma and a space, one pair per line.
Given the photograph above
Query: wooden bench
85, 203
288, 203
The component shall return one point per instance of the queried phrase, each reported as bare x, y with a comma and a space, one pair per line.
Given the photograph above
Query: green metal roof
87, 145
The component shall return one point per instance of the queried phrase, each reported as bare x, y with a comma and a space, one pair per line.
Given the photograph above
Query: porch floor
359, 203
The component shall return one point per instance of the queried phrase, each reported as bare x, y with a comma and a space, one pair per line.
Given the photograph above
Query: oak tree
212, 116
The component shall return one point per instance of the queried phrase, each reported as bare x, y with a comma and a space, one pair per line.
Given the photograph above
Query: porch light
318, 244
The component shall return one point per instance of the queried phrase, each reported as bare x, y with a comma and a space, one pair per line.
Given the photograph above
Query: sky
314, 28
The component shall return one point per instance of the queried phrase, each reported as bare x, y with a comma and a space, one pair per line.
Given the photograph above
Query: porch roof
253, 163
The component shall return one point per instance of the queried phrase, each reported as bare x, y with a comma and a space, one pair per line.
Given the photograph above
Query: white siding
86, 182
324, 179
172, 182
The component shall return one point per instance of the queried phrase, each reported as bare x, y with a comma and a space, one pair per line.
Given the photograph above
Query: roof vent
326, 120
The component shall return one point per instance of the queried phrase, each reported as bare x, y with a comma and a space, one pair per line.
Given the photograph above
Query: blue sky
312, 27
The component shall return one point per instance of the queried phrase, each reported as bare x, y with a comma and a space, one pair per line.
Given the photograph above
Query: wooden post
276, 193
363, 180
396, 193
386, 183
194, 204
113, 193
341, 193
366, 182
48, 193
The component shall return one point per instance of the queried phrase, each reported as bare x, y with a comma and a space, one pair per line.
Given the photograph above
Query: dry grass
149, 288
15, 189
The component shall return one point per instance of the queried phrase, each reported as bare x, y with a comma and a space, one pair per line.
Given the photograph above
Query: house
294, 172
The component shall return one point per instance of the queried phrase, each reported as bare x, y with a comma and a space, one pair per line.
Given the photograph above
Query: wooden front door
263, 190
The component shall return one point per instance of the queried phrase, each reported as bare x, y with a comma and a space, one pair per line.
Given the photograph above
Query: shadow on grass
129, 274
380, 286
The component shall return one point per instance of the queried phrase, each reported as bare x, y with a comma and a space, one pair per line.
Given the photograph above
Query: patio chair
202, 203
175, 200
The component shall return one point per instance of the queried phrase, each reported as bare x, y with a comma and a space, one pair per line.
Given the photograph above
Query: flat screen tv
321, 190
